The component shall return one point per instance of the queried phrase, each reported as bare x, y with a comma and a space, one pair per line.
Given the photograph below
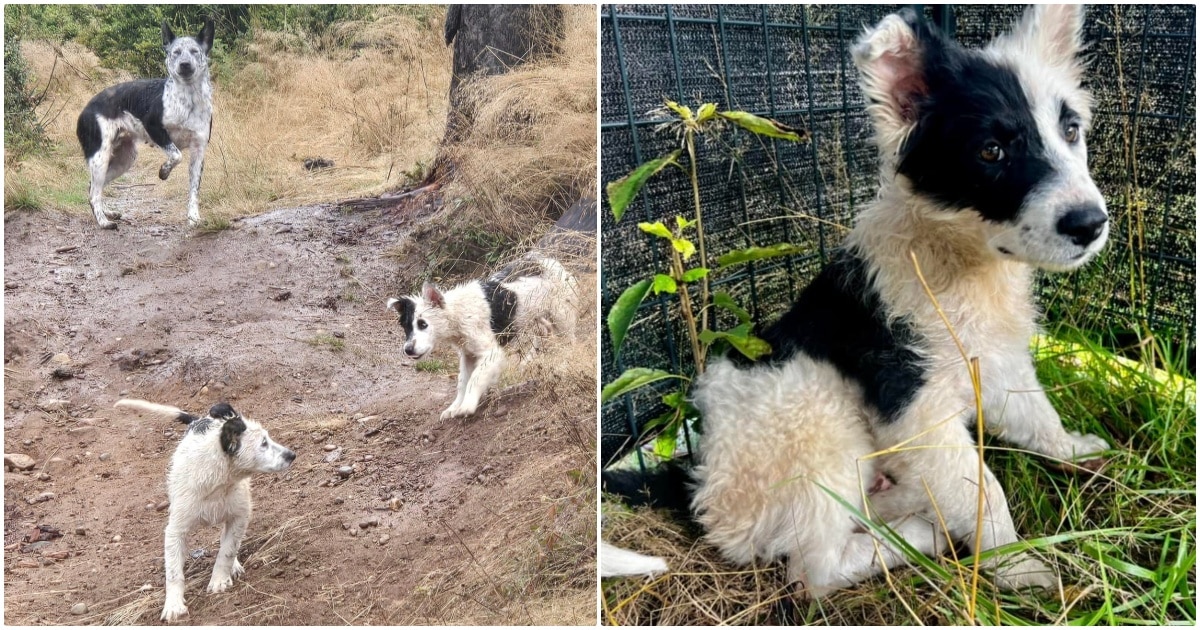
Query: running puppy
984, 178
208, 483
532, 298
172, 114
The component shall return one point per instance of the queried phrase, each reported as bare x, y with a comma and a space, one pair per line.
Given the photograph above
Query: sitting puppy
209, 482
479, 317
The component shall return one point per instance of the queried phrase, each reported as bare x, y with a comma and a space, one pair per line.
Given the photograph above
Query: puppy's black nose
1082, 224
185, 69
409, 351
289, 456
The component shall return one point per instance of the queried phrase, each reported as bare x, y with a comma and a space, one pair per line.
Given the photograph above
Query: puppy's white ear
432, 295
891, 61
391, 304
1053, 32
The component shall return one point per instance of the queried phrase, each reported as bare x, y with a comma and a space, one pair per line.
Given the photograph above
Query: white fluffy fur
207, 486
461, 318
615, 562
779, 440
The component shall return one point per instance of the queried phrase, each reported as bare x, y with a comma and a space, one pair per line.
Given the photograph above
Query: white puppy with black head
208, 482
534, 298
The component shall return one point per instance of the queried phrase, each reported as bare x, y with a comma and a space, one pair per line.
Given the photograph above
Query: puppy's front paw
238, 570
219, 583
450, 412
165, 170
1085, 447
112, 214
1025, 573
172, 611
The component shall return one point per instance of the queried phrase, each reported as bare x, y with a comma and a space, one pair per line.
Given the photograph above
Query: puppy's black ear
167, 34
205, 38
222, 411
231, 435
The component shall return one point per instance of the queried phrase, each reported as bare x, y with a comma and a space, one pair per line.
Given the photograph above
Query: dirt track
282, 315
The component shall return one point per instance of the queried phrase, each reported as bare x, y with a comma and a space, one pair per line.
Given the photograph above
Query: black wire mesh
791, 63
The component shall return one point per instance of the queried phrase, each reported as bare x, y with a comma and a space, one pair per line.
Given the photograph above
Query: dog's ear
891, 60
406, 308
231, 435
1053, 32
167, 34
432, 295
205, 38
222, 411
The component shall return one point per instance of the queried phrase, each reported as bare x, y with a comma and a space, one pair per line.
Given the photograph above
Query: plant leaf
621, 314
706, 111
683, 111
657, 228
664, 444
738, 256
632, 379
664, 284
692, 275
684, 247
662, 420
740, 338
765, 126
725, 301
622, 191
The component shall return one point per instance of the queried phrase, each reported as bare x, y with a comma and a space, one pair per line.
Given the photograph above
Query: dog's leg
1018, 411
227, 566
481, 380
98, 170
174, 157
195, 170
466, 367
942, 465
174, 543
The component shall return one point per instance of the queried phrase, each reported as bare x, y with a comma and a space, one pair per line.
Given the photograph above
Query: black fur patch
839, 318
222, 411
143, 99
231, 435
406, 309
668, 486
503, 304
969, 102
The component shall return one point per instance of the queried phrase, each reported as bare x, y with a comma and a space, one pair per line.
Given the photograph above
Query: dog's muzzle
289, 456
410, 352
1082, 224
186, 70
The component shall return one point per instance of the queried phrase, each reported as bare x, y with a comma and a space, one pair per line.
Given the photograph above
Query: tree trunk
487, 40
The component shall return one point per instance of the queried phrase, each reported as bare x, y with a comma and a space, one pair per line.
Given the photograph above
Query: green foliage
686, 241
23, 131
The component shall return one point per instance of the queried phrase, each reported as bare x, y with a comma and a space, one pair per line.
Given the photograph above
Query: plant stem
699, 352
685, 308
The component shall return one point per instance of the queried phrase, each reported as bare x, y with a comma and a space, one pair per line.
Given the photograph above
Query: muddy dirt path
283, 316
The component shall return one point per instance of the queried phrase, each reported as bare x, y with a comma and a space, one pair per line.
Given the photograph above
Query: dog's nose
410, 351
1082, 224
290, 455
185, 69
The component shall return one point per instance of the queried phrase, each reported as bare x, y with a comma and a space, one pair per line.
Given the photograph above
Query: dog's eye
421, 324
264, 443
991, 152
1072, 133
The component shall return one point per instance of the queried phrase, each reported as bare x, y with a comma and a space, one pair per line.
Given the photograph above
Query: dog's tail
616, 562
165, 411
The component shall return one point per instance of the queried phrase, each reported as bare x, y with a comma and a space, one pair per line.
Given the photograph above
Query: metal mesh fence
791, 63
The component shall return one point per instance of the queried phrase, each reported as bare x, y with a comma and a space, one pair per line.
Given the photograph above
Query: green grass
433, 366
21, 196
328, 341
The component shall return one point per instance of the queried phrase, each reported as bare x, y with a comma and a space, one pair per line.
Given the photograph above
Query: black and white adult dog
532, 298
172, 114
208, 482
984, 177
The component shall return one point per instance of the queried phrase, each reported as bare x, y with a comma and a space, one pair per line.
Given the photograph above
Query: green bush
22, 130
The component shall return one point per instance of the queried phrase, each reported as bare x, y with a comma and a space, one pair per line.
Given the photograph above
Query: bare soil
282, 314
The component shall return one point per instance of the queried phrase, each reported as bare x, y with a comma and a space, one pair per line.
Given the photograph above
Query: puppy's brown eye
1072, 133
991, 152
421, 324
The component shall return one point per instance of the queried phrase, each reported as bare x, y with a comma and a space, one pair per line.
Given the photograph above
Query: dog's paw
455, 411
237, 570
1025, 573
1086, 447
172, 611
164, 171
112, 214
219, 583
106, 224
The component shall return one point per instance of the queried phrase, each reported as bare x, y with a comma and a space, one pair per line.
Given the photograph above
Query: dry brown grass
530, 151
377, 110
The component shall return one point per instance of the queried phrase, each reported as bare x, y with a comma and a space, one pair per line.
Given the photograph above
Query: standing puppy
208, 483
172, 114
479, 317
